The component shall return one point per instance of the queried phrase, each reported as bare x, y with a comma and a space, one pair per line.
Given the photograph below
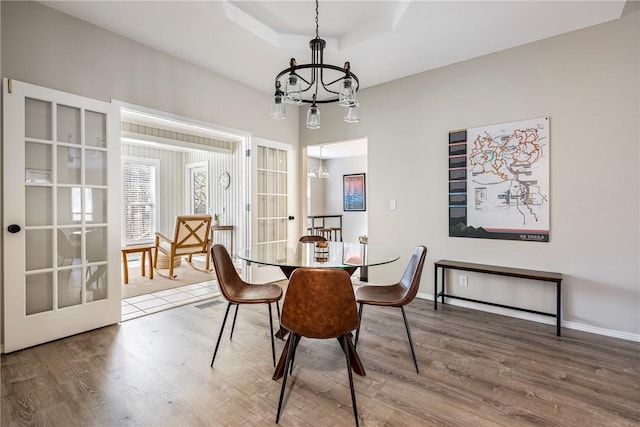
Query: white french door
273, 200
61, 177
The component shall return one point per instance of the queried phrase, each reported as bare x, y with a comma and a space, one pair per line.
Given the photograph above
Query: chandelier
316, 83
320, 171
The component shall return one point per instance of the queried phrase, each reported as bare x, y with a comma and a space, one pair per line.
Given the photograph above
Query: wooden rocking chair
191, 237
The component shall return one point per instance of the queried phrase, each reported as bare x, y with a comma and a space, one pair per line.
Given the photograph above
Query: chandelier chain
317, 31
303, 80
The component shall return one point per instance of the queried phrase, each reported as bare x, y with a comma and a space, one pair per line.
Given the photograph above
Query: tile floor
163, 300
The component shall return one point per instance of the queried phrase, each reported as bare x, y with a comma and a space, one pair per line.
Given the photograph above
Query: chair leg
220, 336
355, 344
290, 352
171, 276
295, 343
413, 353
347, 352
273, 344
233, 325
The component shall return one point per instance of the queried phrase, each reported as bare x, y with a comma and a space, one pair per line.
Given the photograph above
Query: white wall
587, 81
48, 48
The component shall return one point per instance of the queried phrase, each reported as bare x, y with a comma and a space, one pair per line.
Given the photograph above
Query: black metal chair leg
347, 352
287, 360
233, 325
279, 324
413, 353
273, 344
355, 344
295, 343
220, 335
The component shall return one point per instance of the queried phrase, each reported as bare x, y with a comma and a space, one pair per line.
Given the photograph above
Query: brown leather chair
319, 304
237, 292
312, 238
397, 295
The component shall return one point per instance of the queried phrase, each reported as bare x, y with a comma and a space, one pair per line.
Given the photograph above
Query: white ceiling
251, 41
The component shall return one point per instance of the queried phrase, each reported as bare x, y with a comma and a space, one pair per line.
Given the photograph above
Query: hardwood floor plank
476, 369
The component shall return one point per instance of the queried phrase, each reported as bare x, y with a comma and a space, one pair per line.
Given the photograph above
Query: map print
508, 178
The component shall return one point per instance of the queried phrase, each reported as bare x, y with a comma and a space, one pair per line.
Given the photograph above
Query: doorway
187, 158
327, 164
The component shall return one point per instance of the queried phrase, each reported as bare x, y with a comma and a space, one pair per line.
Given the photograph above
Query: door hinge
9, 86
248, 207
248, 153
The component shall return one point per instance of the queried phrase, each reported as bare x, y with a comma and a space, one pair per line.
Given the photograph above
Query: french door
273, 204
61, 178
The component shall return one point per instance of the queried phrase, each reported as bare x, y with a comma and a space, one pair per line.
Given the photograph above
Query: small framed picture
354, 192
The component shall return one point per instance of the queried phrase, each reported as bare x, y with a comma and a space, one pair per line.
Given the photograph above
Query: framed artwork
354, 192
499, 181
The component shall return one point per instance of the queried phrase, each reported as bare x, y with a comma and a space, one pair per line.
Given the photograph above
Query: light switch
393, 205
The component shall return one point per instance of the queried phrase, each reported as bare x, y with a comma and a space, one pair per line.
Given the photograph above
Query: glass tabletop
336, 255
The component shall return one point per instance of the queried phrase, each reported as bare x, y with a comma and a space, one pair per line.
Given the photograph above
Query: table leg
144, 255
364, 274
125, 267
356, 363
233, 255
279, 371
150, 264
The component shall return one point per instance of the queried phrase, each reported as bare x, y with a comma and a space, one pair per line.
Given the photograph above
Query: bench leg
435, 288
125, 268
558, 306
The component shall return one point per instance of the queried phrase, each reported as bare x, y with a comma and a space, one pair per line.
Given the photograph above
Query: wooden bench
545, 276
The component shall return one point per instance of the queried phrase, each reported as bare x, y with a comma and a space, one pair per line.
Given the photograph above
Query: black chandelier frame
317, 67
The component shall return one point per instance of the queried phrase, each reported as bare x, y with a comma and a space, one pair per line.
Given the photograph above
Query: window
139, 179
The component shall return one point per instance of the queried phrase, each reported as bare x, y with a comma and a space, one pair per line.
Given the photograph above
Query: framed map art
499, 181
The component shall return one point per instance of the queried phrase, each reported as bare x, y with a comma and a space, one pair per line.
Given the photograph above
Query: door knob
13, 228
291, 218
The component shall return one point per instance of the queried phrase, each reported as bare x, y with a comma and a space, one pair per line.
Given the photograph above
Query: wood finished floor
477, 369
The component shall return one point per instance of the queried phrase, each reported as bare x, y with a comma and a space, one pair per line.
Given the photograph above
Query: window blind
139, 202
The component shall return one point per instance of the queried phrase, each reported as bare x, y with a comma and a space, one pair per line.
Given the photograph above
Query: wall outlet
463, 280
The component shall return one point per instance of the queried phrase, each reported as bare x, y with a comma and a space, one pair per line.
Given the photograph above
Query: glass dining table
345, 255
289, 256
